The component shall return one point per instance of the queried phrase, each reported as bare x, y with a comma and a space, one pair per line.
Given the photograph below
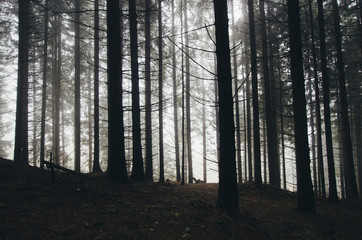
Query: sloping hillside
91, 207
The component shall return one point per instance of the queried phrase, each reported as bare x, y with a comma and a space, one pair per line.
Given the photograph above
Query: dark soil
92, 207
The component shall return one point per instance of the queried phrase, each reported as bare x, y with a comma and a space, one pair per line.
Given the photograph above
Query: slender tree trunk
264, 149
245, 139
246, 110
160, 94
341, 148
320, 174
188, 93
320, 163
21, 126
137, 168
281, 118
44, 87
77, 88
175, 107
304, 182
327, 118
204, 148
54, 79
117, 170
350, 177
254, 83
96, 165
183, 104
237, 112
311, 123
35, 125
282, 125
148, 120
273, 157
227, 192
248, 124
90, 129
56, 91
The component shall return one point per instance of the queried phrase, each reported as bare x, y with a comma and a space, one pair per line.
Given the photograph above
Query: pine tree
304, 182
227, 192
137, 167
21, 125
116, 152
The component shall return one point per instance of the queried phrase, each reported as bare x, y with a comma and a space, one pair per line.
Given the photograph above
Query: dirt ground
92, 207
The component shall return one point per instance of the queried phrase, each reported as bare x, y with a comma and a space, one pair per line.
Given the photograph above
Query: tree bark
327, 118
44, 87
227, 192
273, 156
174, 82
255, 101
237, 112
321, 180
188, 93
304, 183
96, 165
160, 94
148, 120
116, 170
77, 88
21, 151
137, 168
349, 171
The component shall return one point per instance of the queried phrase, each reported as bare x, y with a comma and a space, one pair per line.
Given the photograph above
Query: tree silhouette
227, 192
304, 182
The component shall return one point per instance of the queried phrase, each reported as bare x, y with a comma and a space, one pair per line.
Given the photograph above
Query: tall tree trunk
254, 83
320, 164
204, 148
273, 89
349, 171
248, 124
77, 88
311, 123
34, 101
96, 165
90, 129
137, 167
237, 112
217, 119
245, 140
282, 123
264, 148
21, 126
116, 151
279, 67
273, 157
56, 90
188, 93
341, 148
44, 87
304, 183
183, 103
160, 94
175, 107
248, 159
327, 118
321, 186
227, 192
148, 120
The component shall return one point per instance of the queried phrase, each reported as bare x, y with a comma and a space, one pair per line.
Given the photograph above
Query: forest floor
92, 207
